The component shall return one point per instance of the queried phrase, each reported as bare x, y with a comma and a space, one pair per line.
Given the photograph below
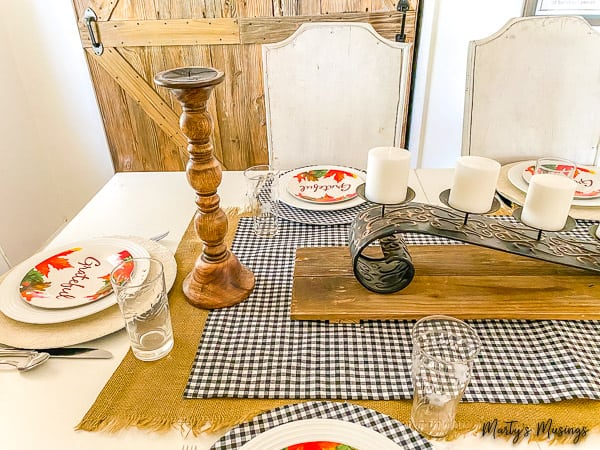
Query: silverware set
34, 358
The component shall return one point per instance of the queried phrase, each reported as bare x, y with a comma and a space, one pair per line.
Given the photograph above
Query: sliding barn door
132, 40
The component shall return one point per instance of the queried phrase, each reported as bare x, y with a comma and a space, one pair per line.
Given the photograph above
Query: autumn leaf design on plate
325, 199
121, 274
324, 185
317, 174
319, 445
35, 283
339, 175
57, 261
311, 175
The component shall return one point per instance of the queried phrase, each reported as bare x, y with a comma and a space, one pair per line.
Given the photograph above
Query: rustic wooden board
463, 281
266, 30
130, 33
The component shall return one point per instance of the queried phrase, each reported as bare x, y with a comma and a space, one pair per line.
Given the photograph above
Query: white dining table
41, 408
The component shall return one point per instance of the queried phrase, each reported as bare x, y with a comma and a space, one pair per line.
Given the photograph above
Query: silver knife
61, 352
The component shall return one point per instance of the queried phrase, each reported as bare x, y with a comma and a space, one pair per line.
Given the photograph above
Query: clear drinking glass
555, 166
262, 195
442, 359
139, 285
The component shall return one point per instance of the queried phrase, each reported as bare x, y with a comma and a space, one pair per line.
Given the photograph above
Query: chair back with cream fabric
533, 89
332, 92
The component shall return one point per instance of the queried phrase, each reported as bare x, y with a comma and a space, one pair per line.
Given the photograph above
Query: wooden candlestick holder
218, 278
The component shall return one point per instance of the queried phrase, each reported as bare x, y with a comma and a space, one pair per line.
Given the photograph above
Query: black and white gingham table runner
337, 217
254, 350
385, 425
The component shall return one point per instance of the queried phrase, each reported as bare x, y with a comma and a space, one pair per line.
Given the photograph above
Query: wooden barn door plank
102, 8
240, 105
245, 30
136, 142
131, 33
266, 30
336, 6
135, 86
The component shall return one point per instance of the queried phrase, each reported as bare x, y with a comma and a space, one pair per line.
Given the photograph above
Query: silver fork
34, 359
158, 237
189, 447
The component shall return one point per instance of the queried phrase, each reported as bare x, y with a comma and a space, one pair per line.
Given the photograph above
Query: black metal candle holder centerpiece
382, 263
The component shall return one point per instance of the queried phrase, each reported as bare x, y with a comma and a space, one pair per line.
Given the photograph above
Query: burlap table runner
149, 395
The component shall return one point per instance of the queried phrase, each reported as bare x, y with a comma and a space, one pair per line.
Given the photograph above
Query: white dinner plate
13, 306
515, 176
289, 199
312, 430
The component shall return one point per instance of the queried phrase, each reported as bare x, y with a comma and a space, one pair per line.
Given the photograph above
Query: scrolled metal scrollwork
393, 270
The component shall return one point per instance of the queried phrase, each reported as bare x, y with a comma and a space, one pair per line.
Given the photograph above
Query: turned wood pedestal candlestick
218, 278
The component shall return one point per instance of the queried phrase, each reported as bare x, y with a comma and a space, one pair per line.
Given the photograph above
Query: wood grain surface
463, 281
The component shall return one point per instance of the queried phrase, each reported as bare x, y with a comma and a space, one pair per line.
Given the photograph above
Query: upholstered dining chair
332, 91
533, 89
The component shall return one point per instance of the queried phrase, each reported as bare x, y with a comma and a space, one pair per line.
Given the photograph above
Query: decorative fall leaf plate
320, 434
13, 306
76, 274
324, 184
321, 188
586, 177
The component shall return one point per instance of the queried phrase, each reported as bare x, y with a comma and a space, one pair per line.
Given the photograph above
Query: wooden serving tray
463, 281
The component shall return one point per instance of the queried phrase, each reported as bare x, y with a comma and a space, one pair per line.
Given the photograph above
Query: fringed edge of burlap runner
185, 425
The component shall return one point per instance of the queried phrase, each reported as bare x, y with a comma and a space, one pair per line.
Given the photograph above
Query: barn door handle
90, 16
402, 6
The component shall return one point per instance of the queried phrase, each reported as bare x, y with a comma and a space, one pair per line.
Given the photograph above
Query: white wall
446, 28
53, 151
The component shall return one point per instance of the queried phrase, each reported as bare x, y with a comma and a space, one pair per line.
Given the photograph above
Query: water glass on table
262, 195
442, 360
555, 166
139, 286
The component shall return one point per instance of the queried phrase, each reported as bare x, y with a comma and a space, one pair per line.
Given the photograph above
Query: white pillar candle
474, 184
548, 201
387, 175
